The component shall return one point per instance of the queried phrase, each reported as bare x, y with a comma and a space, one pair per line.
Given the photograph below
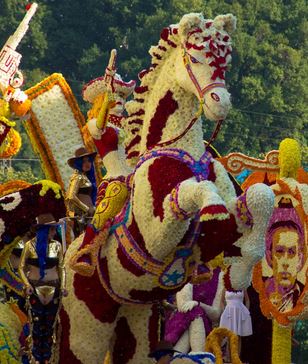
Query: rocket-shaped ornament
10, 77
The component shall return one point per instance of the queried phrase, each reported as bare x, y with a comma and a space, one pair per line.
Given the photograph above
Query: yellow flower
11, 145
289, 158
47, 185
4, 108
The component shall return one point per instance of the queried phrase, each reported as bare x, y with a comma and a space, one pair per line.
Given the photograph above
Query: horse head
188, 66
206, 53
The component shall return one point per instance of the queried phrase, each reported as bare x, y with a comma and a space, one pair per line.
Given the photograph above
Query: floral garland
287, 191
235, 163
20, 108
55, 126
270, 178
13, 186
12, 144
10, 279
4, 109
10, 140
88, 142
6, 189
79, 312
214, 343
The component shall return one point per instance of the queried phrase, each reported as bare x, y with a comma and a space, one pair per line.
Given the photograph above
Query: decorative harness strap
199, 168
202, 102
174, 271
202, 91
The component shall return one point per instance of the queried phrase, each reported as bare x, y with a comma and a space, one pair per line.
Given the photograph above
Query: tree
10, 174
300, 351
268, 78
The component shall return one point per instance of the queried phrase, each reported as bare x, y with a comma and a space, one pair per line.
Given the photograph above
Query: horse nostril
215, 97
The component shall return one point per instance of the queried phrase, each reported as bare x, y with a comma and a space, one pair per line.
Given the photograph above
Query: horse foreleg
90, 316
252, 211
191, 197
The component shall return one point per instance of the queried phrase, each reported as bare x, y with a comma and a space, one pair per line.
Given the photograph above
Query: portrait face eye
292, 252
279, 250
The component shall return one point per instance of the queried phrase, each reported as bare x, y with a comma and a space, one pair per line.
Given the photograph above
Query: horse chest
163, 175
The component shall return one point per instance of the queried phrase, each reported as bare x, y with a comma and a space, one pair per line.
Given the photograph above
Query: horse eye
194, 60
215, 97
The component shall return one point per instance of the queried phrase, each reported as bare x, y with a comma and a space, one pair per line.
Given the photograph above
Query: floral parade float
180, 206
177, 194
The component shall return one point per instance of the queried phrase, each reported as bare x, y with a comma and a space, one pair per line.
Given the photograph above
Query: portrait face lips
285, 279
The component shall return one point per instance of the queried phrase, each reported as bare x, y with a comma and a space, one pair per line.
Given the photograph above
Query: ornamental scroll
235, 163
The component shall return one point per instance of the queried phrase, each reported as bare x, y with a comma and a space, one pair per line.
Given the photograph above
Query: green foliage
11, 174
268, 79
300, 351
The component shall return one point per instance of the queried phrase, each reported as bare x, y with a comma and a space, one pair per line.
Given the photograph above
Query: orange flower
14, 144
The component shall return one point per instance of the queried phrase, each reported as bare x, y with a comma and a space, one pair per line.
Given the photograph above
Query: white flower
2, 227
59, 126
9, 206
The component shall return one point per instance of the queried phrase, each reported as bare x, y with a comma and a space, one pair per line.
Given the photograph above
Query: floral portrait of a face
285, 255
281, 277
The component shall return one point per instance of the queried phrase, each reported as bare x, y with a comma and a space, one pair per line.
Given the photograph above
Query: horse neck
169, 110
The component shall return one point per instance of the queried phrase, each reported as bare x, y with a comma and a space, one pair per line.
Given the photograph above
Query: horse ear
188, 23
226, 22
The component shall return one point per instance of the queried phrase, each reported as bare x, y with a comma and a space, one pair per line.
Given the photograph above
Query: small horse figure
182, 207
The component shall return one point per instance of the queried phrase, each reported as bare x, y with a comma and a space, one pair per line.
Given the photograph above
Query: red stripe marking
125, 343
164, 174
166, 107
98, 301
133, 142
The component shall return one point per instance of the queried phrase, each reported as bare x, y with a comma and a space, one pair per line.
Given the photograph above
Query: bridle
202, 92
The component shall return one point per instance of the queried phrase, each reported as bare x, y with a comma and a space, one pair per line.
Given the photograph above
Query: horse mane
136, 108
170, 38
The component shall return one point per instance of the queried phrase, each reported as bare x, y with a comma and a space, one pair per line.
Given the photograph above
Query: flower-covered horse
182, 207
